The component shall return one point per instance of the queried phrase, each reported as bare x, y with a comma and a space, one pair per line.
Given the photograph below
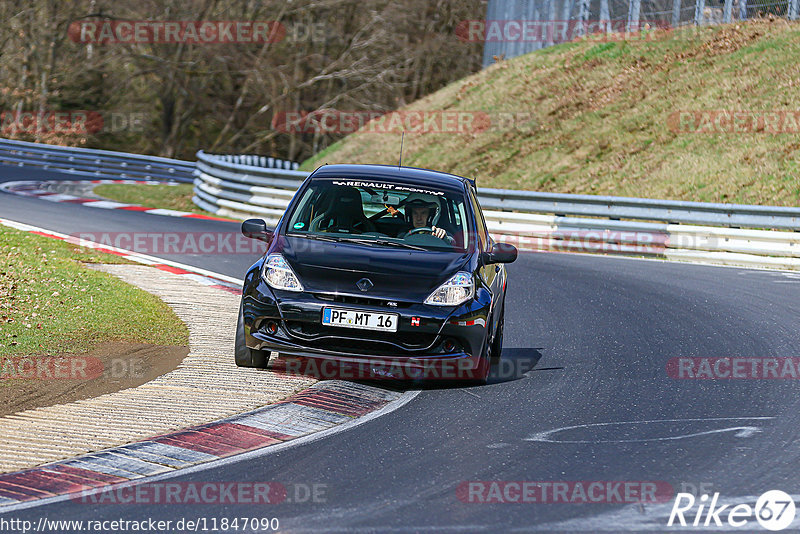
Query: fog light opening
272, 328
449, 345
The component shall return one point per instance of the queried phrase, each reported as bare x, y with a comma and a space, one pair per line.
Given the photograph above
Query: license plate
385, 322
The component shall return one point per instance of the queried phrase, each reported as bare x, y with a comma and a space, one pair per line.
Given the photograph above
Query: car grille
345, 299
363, 341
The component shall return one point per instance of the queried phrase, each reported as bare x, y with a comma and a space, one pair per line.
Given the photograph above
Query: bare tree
345, 54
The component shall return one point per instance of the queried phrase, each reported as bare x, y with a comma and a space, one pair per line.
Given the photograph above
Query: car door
492, 274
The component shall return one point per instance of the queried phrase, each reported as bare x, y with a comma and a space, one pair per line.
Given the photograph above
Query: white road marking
106, 204
741, 431
162, 211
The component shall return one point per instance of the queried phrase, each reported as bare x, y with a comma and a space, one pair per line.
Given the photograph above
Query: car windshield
382, 214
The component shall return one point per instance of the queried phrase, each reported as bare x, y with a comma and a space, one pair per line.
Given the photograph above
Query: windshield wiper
381, 242
361, 241
399, 244
319, 237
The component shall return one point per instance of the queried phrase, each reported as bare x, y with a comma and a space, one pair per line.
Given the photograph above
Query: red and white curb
321, 407
50, 190
325, 407
208, 278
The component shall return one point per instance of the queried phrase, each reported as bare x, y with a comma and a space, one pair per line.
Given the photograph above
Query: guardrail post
538, 13
605, 16
583, 16
727, 12
634, 7
699, 7
676, 13
566, 13
793, 9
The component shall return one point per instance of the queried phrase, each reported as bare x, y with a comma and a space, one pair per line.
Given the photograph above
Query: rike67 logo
774, 510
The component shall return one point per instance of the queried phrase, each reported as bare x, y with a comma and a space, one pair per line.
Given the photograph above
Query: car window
479, 221
381, 213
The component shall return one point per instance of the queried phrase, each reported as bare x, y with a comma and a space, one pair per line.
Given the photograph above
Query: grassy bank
600, 118
50, 303
173, 197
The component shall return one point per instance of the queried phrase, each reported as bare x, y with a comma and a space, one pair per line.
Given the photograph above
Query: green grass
172, 197
599, 119
51, 303
607, 50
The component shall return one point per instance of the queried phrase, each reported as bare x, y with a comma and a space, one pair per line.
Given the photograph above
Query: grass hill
650, 116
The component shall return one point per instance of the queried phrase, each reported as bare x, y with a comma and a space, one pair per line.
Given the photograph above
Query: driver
421, 210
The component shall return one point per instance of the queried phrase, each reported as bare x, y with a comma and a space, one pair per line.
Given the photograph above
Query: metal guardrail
241, 186
245, 186
670, 211
95, 163
223, 173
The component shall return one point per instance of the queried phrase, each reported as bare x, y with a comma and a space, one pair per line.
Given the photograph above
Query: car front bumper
431, 342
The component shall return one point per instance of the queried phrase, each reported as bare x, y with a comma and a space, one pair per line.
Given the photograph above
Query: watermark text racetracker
173, 242
176, 31
601, 241
334, 121
74, 122
553, 31
69, 368
236, 243
182, 493
551, 240
378, 368
733, 368
729, 121
563, 492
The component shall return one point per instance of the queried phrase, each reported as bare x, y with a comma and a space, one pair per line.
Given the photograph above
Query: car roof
392, 173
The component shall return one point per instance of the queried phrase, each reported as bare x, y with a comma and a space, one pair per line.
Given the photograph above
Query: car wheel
247, 357
485, 363
485, 367
492, 351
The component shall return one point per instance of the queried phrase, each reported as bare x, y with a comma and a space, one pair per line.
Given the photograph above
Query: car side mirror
257, 229
500, 253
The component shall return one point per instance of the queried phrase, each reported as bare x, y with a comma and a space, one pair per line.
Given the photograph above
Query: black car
377, 271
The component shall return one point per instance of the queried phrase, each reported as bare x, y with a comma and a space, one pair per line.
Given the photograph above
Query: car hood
395, 273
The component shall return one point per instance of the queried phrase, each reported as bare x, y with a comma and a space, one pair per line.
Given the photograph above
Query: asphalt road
74, 219
587, 342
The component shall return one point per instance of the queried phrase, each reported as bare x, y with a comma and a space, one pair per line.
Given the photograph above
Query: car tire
245, 356
486, 360
492, 351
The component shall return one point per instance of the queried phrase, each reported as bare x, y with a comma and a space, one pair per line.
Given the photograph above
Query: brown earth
45, 380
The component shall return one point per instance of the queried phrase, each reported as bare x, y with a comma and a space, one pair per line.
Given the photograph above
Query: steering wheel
420, 229
448, 238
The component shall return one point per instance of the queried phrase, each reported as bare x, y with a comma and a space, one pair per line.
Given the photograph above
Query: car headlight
279, 275
457, 290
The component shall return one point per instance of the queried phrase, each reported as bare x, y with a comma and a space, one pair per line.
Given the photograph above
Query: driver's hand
439, 232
